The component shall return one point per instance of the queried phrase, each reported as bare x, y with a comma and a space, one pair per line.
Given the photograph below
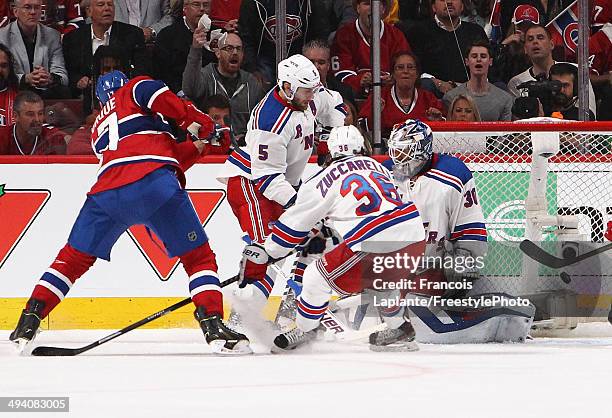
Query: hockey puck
565, 277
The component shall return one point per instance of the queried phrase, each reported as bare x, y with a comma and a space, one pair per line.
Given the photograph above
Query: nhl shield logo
192, 236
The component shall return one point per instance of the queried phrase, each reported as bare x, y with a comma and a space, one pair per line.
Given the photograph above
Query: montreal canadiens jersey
279, 141
129, 136
446, 198
357, 195
351, 51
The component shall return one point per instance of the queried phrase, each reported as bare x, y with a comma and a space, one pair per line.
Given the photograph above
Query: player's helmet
298, 71
411, 146
345, 141
109, 83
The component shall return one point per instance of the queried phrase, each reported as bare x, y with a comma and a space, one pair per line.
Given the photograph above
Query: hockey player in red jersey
262, 177
356, 195
140, 181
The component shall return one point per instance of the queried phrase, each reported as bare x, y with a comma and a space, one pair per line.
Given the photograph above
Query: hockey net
578, 182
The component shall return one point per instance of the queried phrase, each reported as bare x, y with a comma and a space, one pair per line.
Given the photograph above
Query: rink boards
42, 198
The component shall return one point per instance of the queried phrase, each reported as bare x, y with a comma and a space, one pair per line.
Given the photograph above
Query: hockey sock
55, 283
204, 286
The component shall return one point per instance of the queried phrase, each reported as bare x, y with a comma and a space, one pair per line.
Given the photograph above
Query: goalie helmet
345, 141
108, 84
298, 71
410, 146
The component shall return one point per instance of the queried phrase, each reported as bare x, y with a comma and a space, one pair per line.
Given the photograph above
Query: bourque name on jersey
106, 110
346, 167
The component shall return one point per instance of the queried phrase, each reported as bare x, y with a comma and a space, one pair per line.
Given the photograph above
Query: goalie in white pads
444, 191
263, 176
355, 193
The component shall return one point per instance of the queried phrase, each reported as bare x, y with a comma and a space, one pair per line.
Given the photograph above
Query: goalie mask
345, 141
298, 71
411, 146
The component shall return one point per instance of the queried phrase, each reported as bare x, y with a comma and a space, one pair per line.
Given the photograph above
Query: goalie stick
60, 351
538, 254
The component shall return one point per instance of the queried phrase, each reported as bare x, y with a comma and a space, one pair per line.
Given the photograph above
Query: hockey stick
59, 351
540, 255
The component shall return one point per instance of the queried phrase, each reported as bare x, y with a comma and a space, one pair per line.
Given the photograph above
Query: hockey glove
316, 245
197, 123
253, 264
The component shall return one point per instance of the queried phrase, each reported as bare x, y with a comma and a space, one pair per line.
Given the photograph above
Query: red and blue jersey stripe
241, 159
285, 236
265, 285
309, 311
262, 183
373, 225
271, 114
474, 231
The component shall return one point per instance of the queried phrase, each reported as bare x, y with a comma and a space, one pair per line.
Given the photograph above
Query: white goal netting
578, 183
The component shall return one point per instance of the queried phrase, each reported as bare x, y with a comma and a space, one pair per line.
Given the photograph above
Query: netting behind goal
578, 182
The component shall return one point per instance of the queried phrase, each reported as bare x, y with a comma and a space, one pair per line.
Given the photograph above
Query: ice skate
296, 337
220, 337
395, 339
28, 326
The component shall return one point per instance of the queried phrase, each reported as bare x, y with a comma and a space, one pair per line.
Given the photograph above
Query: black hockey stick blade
549, 260
59, 351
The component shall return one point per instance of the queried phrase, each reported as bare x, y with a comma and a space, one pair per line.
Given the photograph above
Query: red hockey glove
197, 123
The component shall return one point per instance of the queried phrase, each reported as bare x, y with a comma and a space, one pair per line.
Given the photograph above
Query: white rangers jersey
279, 142
357, 195
446, 198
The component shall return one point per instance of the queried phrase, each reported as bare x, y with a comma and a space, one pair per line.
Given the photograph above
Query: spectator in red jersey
463, 109
69, 15
8, 86
5, 12
351, 49
29, 135
225, 13
404, 99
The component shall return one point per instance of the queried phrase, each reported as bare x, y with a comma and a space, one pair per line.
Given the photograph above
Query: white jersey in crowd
279, 141
446, 198
359, 198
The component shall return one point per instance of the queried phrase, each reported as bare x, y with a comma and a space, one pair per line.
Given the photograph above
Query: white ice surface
170, 373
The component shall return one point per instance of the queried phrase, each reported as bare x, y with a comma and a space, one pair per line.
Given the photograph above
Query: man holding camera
538, 47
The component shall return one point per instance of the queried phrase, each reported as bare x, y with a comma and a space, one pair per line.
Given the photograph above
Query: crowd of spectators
439, 60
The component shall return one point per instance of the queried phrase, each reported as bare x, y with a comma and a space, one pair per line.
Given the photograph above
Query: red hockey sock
201, 267
55, 283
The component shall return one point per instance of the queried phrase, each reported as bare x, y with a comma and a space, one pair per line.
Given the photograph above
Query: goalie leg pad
469, 326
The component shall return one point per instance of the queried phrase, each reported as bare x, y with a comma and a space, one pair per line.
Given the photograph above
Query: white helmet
410, 146
345, 141
298, 71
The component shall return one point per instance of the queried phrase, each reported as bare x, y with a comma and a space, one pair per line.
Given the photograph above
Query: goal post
549, 182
